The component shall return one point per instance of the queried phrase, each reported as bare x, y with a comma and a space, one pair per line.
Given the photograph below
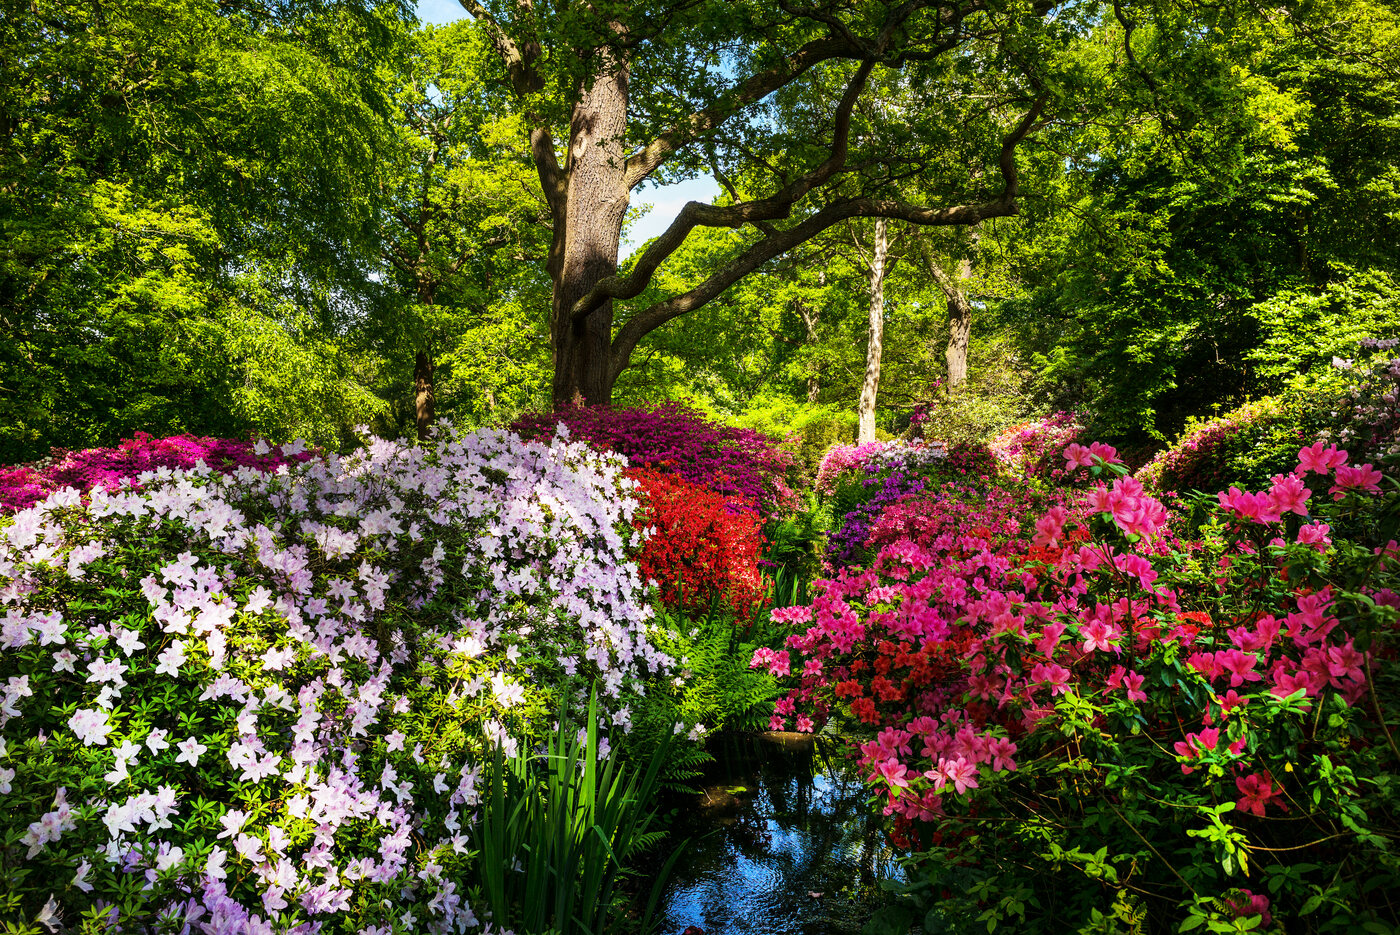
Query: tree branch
769, 247
695, 214
645, 161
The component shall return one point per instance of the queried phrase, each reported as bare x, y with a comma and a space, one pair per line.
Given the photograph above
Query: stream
782, 843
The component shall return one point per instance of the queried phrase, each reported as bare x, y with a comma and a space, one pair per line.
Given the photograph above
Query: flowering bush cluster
1367, 416
256, 702
1354, 404
1087, 717
868, 487
1201, 460
676, 439
875, 457
25, 485
700, 546
1032, 448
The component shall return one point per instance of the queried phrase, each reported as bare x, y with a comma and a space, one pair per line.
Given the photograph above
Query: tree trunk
875, 347
959, 332
596, 199
959, 307
425, 413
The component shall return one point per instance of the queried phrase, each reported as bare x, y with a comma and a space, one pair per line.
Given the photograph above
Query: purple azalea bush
259, 701
676, 439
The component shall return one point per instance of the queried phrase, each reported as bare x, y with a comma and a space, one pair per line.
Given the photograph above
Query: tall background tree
185, 215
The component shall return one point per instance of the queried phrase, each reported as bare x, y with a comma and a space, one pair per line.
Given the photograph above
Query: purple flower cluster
675, 439
846, 545
255, 702
872, 457
23, 486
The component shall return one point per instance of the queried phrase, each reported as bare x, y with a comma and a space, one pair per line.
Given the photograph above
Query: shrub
675, 439
1106, 723
1032, 448
24, 485
260, 701
1354, 403
702, 548
862, 482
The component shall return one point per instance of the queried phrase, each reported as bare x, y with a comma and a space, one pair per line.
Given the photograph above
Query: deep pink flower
1256, 791
1364, 478
1076, 455
1320, 459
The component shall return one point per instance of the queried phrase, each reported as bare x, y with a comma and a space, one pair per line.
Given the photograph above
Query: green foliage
1302, 328
1207, 250
713, 690
559, 830
181, 224
988, 402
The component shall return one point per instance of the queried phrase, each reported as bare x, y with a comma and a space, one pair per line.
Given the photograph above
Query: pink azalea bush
874, 457
1032, 448
1079, 712
258, 701
23, 486
676, 439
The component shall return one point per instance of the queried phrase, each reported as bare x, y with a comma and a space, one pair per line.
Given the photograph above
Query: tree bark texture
875, 347
424, 412
960, 315
959, 306
596, 195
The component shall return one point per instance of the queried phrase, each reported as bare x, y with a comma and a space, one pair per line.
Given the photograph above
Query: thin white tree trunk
875, 347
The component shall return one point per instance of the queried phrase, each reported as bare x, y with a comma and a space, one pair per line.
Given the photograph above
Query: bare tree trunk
959, 330
875, 347
595, 205
425, 413
959, 308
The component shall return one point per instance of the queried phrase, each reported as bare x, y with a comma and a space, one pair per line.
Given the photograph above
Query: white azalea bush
255, 703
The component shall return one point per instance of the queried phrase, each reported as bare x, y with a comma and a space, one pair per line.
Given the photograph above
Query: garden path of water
782, 843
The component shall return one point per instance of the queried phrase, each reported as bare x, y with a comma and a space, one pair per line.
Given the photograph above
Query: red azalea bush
1095, 719
675, 439
23, 486
703, 546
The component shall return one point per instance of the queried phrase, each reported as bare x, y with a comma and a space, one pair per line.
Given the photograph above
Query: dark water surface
782, 843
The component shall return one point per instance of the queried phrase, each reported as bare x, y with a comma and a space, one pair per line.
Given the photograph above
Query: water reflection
783, 843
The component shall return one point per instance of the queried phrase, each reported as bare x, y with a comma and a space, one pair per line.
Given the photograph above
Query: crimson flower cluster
676, 439
703, 545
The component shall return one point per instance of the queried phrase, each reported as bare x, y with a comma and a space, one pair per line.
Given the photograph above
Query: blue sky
666, 201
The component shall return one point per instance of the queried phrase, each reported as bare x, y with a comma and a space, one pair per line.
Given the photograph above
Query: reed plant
558, 829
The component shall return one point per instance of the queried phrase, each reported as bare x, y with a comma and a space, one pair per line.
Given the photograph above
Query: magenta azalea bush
259, 701
25, 485
675, 439
1084, 714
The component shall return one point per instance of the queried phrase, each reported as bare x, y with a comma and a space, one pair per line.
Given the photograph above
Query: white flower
80, 878
90, 726
156, 741
7, 776
214, 866
190, 751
